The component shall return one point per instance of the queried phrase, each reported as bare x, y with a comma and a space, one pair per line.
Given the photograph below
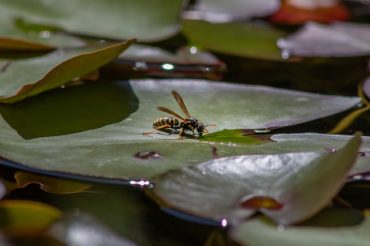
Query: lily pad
223, 189
260, 231
118, 19
20, 79
116, 150
14, 38
334, 40
222, 11
255, 40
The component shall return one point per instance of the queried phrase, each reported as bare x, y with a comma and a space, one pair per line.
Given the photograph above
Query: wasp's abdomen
166, 121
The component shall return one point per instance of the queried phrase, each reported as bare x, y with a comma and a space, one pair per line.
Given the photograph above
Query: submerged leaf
26, 217
118, 19
49, 184
254, 40
297, 185
335, 40
224, 11
24, 78
110, 151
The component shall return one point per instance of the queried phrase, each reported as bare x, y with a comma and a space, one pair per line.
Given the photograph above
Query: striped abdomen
173, 122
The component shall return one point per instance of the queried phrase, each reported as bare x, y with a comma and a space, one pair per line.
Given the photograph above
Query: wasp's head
200, 129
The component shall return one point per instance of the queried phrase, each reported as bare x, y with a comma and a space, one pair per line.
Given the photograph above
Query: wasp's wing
180, 101
169, 111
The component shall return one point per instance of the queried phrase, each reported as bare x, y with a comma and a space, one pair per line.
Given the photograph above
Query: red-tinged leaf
292, 14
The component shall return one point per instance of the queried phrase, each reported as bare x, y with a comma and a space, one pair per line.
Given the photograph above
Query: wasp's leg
182, 133
157, 128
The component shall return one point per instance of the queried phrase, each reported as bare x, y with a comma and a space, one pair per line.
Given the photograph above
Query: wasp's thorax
192, 124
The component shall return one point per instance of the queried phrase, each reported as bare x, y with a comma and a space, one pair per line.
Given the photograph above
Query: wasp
177, 122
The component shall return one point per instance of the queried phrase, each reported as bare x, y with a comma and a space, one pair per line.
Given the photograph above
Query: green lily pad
15, 38
20, 217
20, 79
119, 150
118, 19
224, 11
260, 232
222, 189
253, 40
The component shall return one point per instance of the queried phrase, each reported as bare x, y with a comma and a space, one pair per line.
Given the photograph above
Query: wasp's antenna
210, 125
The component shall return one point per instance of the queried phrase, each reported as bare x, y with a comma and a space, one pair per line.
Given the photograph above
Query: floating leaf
260, 231
254, 40
221, 189
26, 217
20, 79
49, 184
335, 40
300, 11
112, 151
14, 38
222, 11
119, 19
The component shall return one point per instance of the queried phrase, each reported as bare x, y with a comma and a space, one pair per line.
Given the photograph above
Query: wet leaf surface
335, 40
220, 189
149, 21
237, 137
221, 11
110, 151
20, 79
260, 231
255, 40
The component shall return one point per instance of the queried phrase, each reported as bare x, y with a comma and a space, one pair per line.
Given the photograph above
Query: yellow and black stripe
166, 121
